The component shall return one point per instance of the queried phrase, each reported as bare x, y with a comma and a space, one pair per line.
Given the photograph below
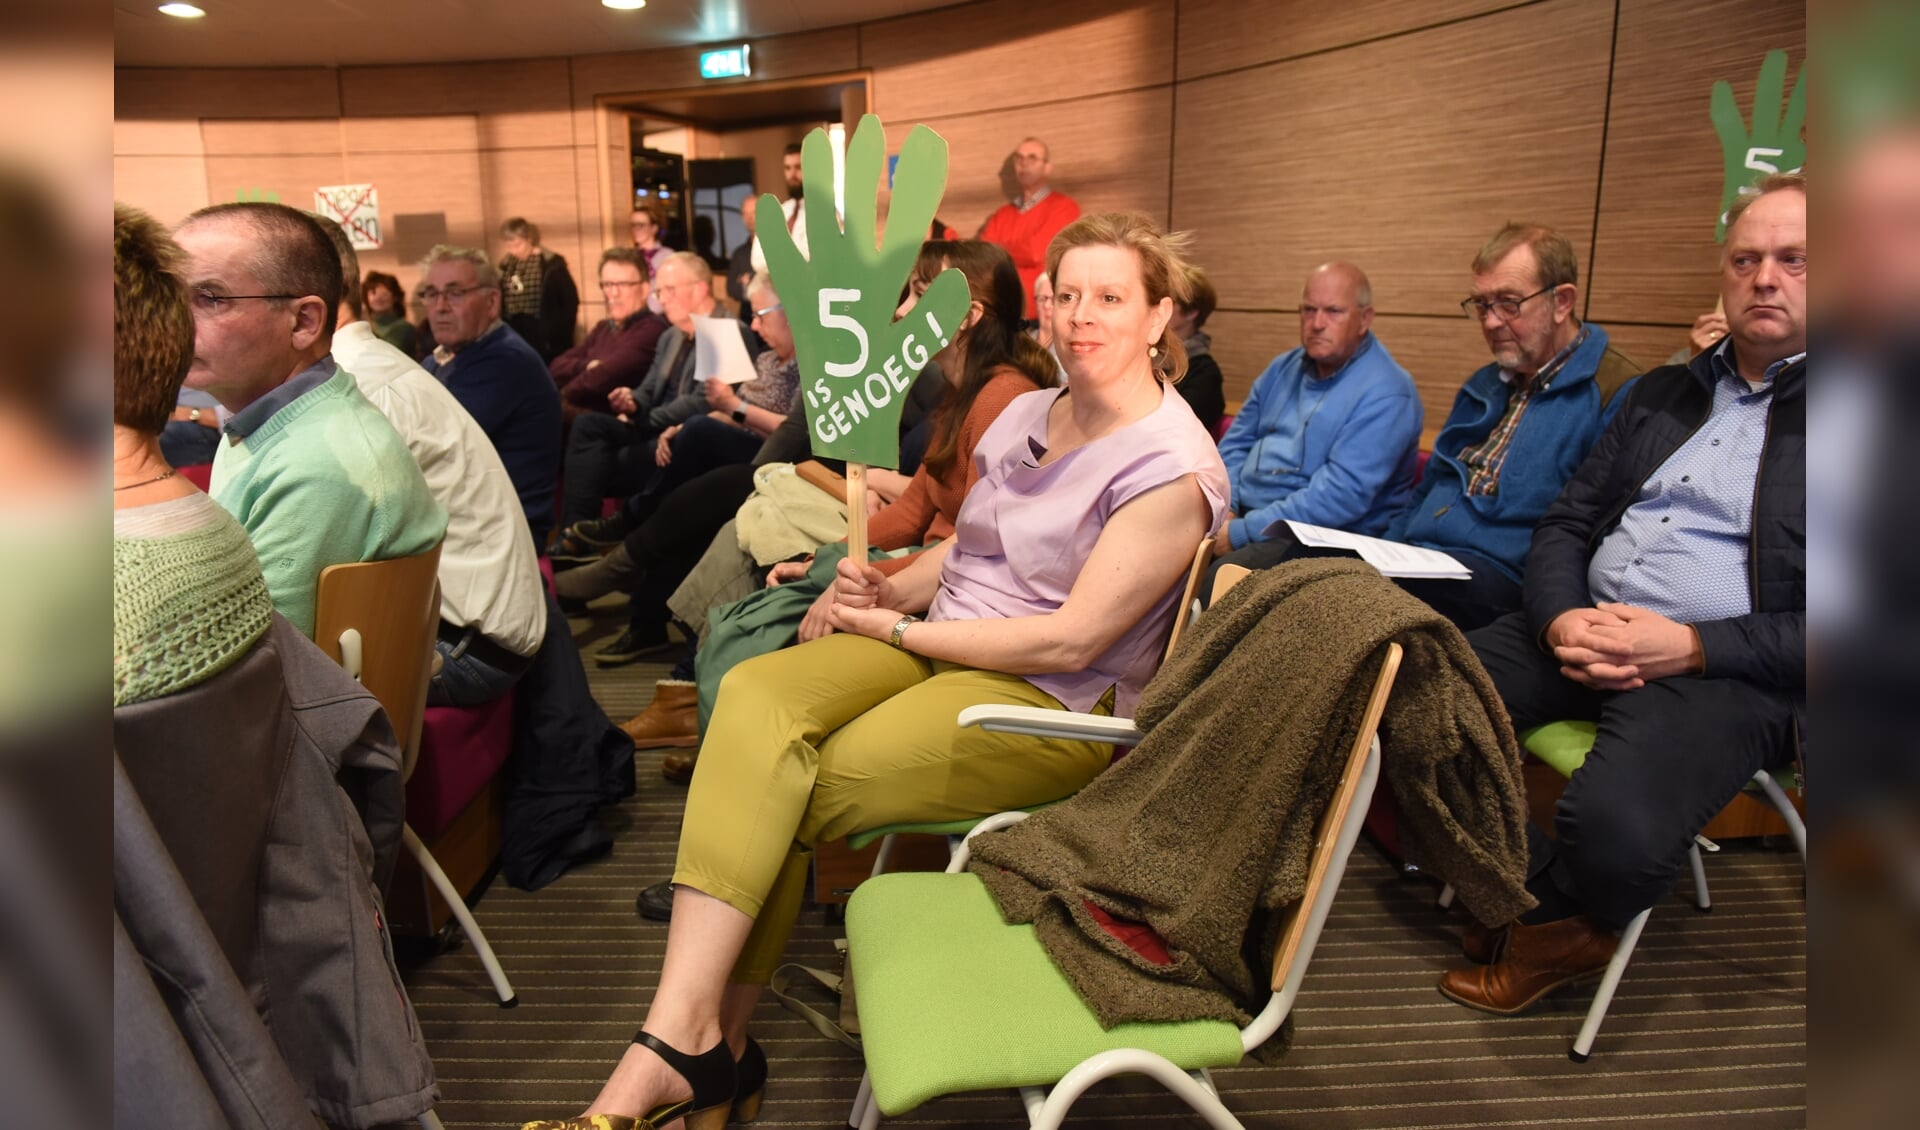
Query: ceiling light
624, 5
181, 11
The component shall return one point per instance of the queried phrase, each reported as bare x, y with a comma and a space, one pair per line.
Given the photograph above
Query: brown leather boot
1481, 944
678, 767
1536, 961
671, 721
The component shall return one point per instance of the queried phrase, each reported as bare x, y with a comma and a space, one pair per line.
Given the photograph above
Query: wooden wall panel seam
1173, 109
1200, 76
1381, 311
1146, 88
1600, 174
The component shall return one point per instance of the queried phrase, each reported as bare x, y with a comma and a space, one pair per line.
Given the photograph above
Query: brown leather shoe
678, 767
1536, 961
1481, 944
671, 721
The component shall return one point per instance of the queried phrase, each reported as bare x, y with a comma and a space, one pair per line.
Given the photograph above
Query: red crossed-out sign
355, 207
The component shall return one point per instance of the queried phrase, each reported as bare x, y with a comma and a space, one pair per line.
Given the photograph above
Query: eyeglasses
207, 302
675, 288
453, 294
618, 286
1508, 308
765, 310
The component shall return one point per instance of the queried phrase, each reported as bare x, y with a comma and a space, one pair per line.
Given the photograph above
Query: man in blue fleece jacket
1519, 427
1328, 434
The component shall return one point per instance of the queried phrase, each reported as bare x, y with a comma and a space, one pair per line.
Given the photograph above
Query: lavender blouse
1025, 530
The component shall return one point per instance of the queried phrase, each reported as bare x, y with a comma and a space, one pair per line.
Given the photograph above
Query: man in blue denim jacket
1328, 433
1519, 427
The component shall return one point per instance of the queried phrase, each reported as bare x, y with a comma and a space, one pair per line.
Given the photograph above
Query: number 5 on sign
832, 321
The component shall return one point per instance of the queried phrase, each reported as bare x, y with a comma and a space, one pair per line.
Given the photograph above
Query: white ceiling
278, 33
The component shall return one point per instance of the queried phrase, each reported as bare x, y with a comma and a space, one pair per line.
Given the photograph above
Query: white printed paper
1392, 558
720, 351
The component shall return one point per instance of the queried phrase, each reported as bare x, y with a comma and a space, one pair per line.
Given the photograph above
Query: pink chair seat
461, 749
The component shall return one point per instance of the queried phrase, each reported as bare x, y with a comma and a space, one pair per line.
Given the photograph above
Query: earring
1153, 351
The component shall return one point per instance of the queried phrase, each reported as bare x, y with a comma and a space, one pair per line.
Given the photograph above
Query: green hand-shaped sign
1773, 145
856, 362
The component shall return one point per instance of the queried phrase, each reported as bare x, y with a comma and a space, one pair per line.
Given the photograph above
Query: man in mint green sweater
313, 471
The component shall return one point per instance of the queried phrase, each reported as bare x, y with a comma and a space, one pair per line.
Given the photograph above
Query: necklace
144, 482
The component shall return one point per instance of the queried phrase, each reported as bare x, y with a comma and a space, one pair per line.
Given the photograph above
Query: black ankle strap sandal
711, 1074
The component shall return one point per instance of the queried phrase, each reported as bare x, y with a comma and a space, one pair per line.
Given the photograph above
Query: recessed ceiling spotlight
624, 5
182, 11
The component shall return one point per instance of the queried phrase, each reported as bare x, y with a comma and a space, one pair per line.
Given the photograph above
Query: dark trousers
667, 546
1666, 759
606, 457
702, 445
1475, 602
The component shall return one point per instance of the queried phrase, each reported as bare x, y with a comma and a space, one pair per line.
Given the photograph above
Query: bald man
1026, 225
1328, 433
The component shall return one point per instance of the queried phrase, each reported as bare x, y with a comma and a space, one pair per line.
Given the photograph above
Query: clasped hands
1619, 647
860, 601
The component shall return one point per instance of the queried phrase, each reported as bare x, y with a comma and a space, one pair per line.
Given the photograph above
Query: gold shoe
711, 1074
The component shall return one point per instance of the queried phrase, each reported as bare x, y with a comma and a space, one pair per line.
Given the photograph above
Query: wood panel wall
1397, 133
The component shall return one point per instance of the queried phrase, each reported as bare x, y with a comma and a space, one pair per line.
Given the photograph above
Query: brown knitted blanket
1203, 832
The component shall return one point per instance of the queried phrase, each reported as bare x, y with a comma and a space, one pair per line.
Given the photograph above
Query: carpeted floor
1708, 1027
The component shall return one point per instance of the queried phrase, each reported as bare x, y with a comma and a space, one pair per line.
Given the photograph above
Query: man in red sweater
1030, 222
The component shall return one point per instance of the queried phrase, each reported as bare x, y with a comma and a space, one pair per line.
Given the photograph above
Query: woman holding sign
1057, 591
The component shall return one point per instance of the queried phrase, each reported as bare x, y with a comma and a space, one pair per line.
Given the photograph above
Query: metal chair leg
885, 856
1603, 997
1701, 898
862, 1099
1128, 1061
458, 904
1778, 797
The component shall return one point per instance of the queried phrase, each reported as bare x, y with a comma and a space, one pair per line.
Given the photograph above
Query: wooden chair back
1339, 810
378, 619
1182, 612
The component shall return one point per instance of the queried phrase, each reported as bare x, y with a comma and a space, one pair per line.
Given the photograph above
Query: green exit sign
727, 62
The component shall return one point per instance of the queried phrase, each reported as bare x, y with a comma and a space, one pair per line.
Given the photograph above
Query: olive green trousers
838, 736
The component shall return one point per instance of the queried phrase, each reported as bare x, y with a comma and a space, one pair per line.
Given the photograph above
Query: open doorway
700, 153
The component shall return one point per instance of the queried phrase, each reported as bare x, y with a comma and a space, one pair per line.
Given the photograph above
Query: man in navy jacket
1665, 600
495, 375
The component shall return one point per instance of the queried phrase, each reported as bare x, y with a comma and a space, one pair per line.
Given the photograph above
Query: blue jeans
468, 680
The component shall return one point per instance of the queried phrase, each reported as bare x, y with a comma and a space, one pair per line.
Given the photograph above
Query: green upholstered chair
1564, 746
952, 999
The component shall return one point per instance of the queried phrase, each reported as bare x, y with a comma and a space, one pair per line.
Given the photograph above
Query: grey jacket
669, 395
255, 817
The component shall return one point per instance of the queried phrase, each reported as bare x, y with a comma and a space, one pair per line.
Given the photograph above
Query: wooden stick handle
857, 513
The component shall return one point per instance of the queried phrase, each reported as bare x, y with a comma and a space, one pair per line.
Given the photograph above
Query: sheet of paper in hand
1392, 558
856, 361
719, 351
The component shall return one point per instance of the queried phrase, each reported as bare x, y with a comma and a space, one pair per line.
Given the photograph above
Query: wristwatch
900, 631
740, 413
